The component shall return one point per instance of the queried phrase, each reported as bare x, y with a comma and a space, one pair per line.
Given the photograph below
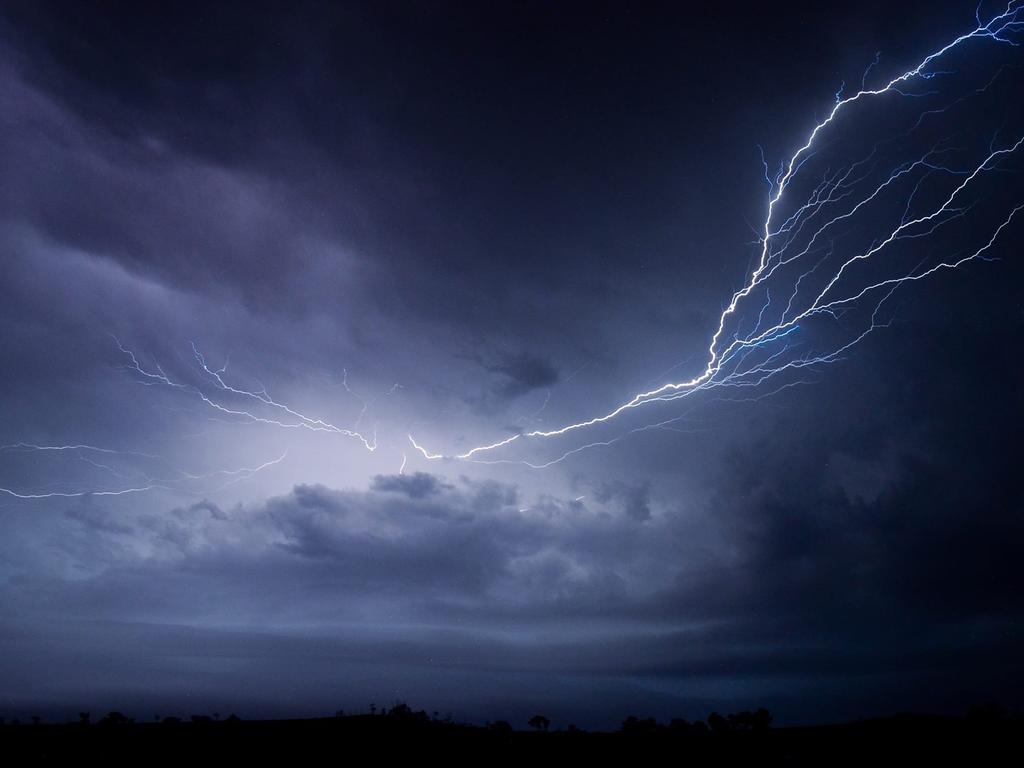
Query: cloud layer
397, 219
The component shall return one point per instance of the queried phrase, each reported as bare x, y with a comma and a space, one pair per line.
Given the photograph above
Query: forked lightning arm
738, 360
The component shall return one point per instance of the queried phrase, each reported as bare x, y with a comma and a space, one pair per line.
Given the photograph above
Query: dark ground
901, 740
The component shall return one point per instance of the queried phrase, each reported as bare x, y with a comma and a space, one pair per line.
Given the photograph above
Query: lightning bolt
288, 417
78, 447
178, 484
746, 359
758, 336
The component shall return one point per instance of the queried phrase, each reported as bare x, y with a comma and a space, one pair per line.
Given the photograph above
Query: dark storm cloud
397, 131
790, 579
219, 158
375, 189
510, 376
457, 547
194, 225
522, 373
98, 519
207, 506
415, 486
635, 500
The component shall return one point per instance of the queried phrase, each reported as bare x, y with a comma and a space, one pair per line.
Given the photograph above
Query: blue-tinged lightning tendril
134, 480
215, 392
286, 416
745, 359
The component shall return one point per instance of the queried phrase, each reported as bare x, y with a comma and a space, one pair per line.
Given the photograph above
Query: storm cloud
444, 227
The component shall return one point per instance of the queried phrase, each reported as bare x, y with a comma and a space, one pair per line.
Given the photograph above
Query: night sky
455, 223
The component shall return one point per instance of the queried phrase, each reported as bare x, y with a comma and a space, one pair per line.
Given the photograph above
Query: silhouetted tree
539, 723
717, 723
405, 712
83, 718
115, 718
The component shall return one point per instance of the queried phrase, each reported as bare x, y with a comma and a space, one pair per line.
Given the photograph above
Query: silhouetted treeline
741, 738
761, 720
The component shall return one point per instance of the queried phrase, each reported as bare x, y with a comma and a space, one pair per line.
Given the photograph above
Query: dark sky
468, 221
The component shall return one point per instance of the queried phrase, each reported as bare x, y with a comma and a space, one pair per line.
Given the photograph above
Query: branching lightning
134, 479
287, 417
831, 249
830, 286
228, 401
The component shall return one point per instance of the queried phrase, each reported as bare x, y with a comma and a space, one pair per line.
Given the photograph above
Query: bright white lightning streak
80, 447
426, 454
714, 374
299, 420
579, 449
150, 485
